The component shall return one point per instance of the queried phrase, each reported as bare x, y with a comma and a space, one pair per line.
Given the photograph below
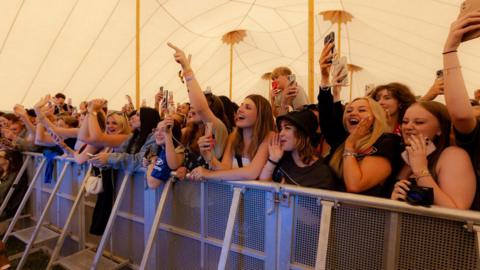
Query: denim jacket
132, 162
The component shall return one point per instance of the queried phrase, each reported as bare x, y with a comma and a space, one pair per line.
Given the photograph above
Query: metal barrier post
203, 223
392, 243
284, 230
24, 201
156, 222
271, 221
227, 240
42, 216
14, 185
111, 220
321, 260
476, 229
64, 233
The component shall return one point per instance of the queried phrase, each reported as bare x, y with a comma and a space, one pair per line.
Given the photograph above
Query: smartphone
439, 73
161, 91
330, 38
208, 128
340, 70
291, 79
165, 100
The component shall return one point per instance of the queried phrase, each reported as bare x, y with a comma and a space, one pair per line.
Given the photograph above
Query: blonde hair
285, 71
121, 121
378, 128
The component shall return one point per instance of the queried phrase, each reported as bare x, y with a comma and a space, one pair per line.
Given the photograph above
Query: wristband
348, 153
447, 52
273, 162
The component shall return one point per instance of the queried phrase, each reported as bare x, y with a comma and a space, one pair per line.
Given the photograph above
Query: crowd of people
381, 144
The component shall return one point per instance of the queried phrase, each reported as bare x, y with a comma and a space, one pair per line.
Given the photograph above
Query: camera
418, 195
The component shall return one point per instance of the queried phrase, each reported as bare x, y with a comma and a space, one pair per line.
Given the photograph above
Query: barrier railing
257, 225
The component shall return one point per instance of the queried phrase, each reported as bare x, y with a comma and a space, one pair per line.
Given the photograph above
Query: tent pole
351, 84
231, 70
311, 50
137, 55
339, 51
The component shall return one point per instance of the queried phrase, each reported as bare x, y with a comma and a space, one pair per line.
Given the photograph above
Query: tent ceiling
86, 48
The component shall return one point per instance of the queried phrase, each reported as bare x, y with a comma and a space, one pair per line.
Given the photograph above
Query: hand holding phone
340, 72
330, 38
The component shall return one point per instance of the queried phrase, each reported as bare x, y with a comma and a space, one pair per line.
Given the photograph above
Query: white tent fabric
86, 48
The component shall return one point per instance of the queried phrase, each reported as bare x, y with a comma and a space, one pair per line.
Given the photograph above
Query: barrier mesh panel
235, 260
249, 230
182, 207
356, 238
177, 252
429, 243
307, 226
218, 200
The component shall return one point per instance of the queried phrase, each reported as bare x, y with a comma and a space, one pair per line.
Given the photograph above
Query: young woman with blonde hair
363, 154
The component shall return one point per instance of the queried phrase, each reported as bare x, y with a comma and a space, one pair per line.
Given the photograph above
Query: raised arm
456, 95
42, 112
195, 94
99, 137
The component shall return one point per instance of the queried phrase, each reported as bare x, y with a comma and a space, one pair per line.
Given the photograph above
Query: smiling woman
363, 154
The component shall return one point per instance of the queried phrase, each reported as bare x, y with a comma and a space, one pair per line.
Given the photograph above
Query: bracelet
187, 73
348, 153
447, 70
273, 162
325, 88
423, 173
447, 52
93, 113
189, 78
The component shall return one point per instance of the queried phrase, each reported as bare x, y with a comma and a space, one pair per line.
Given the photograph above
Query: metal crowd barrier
258, 225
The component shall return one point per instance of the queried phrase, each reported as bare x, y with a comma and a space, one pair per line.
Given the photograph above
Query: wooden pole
311, 50
339, 36
351, 84
231, 70
137, 55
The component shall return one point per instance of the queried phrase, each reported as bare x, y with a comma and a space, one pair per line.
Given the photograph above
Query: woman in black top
363, 154
292, 158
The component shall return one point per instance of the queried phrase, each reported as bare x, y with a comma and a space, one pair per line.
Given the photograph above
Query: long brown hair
262, 127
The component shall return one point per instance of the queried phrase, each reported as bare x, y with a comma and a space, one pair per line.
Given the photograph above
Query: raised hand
435, 90
360, 131
469, 22
19, 110
326, 62
275, 149
180, 57
97, 104
42, 102
417, 153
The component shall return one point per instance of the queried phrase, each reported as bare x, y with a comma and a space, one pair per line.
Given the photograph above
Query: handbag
94, 184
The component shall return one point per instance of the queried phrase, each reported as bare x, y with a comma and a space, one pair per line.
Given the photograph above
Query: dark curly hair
400, 92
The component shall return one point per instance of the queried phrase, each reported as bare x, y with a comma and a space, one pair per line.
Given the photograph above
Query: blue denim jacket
132, 162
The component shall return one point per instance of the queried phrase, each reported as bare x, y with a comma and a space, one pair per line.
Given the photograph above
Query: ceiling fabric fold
86, 48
